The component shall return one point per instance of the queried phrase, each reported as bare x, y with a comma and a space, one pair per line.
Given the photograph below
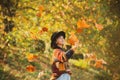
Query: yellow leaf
31, 57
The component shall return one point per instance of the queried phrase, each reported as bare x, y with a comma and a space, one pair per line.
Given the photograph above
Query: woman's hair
54, 44
54, 37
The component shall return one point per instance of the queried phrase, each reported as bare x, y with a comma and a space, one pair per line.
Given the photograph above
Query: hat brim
61, 33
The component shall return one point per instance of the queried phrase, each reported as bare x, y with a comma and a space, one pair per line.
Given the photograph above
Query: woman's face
60, 40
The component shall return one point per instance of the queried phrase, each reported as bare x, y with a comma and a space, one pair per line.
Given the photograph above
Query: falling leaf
93, 57
41, 8
44, 29
38, 14
72, 39
30, 68
98, 64
31, 57
82, 24
99, 26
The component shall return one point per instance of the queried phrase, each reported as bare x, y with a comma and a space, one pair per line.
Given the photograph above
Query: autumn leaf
31, 57
45, 29
98, 64
99, 26
30, 68
72, 39
93, 57
39, 14
41, 8
81, 24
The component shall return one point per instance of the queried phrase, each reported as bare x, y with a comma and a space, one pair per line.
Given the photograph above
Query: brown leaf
39, 14
30, 68
45, 29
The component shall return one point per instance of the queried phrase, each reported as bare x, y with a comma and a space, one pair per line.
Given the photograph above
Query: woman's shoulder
57, 50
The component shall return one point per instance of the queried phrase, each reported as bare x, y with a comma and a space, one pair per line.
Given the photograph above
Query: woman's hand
74, 47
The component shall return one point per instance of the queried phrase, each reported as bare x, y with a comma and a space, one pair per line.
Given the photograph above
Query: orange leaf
41, 8
31, 57
30, 68
82, 24
98, 64
99, 26
72, 39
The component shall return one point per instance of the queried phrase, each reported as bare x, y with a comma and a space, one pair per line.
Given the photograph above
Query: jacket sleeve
60, 55
69, 53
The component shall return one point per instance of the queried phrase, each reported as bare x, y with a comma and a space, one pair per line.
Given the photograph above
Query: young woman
60, 67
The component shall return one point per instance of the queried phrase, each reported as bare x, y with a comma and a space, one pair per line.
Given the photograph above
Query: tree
26, 27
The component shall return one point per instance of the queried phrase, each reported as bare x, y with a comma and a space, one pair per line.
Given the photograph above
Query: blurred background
26, 27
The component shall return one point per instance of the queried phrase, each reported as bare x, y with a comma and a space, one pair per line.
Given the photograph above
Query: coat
60, 63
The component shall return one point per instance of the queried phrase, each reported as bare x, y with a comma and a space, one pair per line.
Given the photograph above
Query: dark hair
54, 37
54, 45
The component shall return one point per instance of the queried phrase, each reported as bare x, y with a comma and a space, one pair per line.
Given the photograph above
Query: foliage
26, 27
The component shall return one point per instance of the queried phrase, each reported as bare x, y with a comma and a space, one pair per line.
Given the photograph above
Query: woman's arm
70, 52
63, 56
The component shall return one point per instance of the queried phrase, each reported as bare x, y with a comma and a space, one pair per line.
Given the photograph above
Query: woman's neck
60, 46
